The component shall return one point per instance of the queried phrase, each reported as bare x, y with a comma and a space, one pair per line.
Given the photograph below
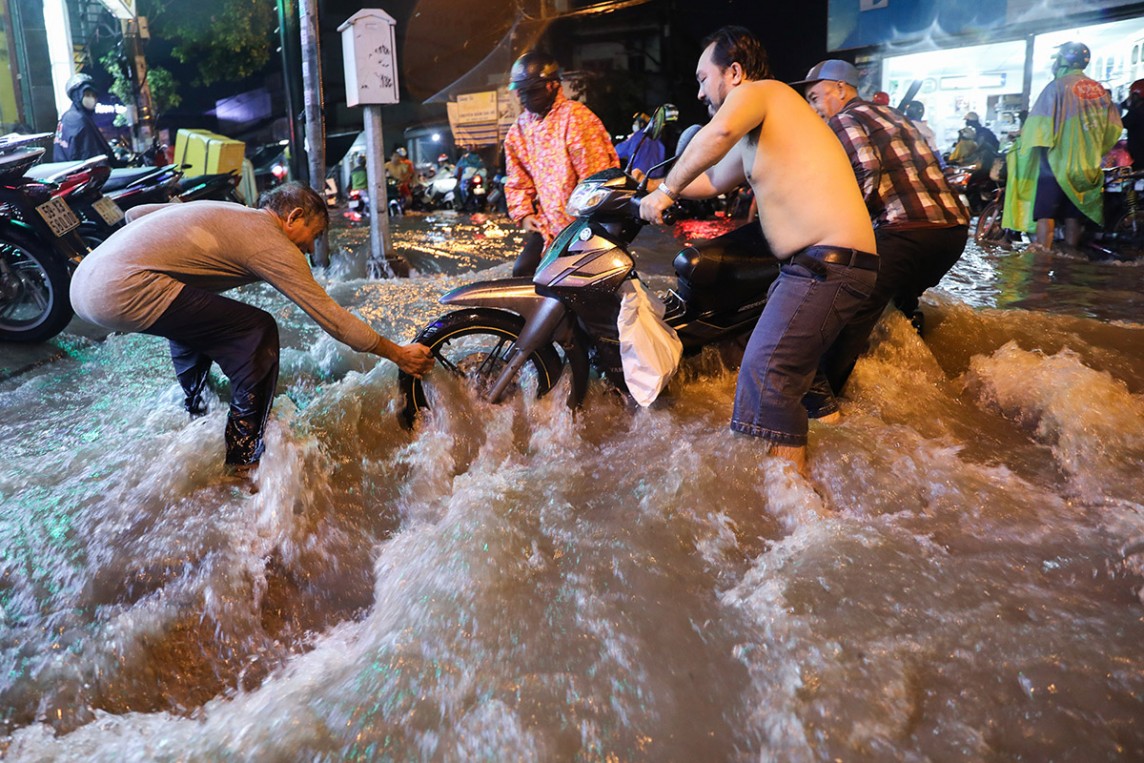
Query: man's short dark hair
736, 44
293, 195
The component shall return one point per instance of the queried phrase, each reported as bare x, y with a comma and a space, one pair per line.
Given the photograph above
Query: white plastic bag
649, 348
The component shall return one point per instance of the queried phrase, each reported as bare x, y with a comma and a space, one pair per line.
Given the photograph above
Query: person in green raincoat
1054, 168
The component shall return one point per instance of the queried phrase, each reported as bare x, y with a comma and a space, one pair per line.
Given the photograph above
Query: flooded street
521, 582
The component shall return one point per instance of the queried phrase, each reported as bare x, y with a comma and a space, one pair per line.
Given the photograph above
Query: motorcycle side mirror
685, 138
659, 119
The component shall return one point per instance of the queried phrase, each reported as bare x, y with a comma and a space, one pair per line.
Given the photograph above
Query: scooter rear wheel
34, 302
474, 344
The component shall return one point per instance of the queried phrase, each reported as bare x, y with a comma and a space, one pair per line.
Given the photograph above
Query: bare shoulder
766, 95
771, 89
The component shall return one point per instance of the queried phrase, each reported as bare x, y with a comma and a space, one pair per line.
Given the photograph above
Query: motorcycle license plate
58, 215
1140, 185
108, 210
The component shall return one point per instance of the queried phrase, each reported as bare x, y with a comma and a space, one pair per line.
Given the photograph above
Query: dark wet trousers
912, 260
203, 327
530, 255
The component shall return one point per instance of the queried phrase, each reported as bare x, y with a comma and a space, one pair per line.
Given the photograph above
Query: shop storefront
989, 58
986, 79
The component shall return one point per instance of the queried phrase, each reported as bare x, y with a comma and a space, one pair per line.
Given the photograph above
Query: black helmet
533, 68
915, 110
77, 83
1074, 55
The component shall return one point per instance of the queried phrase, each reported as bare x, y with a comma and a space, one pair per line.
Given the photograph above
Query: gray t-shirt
132, 278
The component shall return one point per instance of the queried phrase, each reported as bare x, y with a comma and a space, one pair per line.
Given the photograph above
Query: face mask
537, 99
89, 102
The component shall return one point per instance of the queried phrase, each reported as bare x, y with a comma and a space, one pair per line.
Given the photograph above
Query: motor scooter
39, 248
438, 192
515, 333
358, 205
474, 192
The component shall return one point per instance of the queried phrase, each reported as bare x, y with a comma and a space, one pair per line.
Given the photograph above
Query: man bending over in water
813, 217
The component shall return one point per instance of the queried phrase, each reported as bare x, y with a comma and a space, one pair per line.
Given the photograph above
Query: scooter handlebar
669, 215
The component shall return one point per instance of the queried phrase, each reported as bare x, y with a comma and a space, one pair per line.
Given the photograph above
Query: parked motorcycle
220, 186
131, 187
39, 247
81, 184
507, 333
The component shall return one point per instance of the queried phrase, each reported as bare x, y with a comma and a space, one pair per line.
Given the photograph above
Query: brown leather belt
837, 255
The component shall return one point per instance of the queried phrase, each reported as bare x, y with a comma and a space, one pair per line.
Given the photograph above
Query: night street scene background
961, 578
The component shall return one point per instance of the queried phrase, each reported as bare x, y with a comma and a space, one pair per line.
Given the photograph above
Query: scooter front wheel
989, 231
474, 345
1129, 232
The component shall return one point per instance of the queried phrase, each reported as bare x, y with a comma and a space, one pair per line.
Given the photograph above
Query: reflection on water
1050, 282
519, 582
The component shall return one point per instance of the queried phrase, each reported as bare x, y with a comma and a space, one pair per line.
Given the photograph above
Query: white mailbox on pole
370, 57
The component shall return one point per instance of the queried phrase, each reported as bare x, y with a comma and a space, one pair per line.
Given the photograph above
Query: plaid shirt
547, 156
900, 177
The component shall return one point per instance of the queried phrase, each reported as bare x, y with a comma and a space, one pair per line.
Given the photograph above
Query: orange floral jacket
546, 157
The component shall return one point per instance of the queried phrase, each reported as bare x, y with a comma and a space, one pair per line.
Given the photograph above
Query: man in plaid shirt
920, 224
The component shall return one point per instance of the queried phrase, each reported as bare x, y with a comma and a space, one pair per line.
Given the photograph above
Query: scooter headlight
585, 198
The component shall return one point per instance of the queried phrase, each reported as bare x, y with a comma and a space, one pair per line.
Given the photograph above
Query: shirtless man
812, 216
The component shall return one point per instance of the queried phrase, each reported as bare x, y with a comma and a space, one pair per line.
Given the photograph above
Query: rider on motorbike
469, 165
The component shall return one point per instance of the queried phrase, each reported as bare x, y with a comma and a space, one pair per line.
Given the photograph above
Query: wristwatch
673, 195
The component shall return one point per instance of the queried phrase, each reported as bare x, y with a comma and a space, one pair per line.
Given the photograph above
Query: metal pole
288, 48
380, 242
315, 127
143, 129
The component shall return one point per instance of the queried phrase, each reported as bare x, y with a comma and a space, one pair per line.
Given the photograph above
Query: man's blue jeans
806, 308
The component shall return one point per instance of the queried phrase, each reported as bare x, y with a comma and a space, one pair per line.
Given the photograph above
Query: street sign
120, 9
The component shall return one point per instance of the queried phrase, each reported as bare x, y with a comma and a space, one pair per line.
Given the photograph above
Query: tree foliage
226, 40
164, 86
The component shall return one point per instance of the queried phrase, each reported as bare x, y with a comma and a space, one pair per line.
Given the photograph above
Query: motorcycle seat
727, 271
122, 177
53, 172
